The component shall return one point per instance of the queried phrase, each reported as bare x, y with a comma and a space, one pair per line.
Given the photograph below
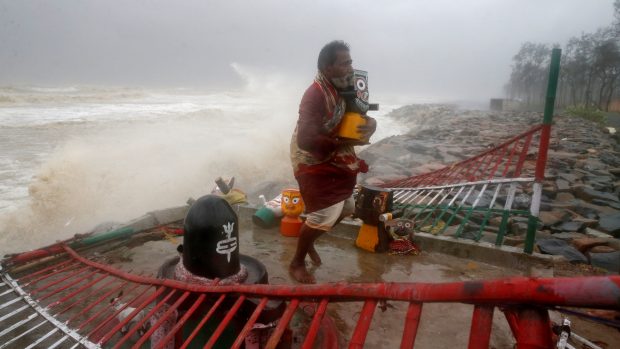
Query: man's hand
368, 129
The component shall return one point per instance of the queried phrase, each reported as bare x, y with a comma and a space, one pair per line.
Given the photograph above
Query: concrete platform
536, 264
443, 325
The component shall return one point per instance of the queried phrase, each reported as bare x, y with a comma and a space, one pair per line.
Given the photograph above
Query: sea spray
113, 157
119, 170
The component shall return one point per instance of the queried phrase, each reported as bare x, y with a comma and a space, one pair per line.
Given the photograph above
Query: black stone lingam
211, 250
210, 246
211, 239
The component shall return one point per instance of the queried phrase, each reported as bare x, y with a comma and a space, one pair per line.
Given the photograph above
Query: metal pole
411, 325
315, 324
545, 135
481, 325
363, 324
534, 329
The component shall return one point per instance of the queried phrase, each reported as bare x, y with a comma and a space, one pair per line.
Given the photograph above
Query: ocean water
74, 157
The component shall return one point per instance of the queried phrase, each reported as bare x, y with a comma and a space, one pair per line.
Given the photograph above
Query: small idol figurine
292, 207
356, 107
401, 231
370, 204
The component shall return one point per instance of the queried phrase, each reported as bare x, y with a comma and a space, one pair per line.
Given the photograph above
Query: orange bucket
290, 226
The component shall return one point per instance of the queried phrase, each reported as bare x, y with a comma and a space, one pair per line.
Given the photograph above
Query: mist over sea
74, 157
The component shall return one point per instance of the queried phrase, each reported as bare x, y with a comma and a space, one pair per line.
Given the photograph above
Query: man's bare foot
314, 256
301, 274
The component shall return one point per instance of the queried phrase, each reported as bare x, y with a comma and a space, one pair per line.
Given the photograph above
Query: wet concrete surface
443, 325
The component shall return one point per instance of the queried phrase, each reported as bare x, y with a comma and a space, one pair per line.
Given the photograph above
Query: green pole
552, 85
114, 234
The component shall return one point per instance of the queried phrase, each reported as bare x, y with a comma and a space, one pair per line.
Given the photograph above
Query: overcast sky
451, 49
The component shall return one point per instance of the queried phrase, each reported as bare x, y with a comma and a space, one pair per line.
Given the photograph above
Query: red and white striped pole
545, 136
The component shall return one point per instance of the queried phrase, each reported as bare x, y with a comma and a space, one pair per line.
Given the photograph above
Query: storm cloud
441, 48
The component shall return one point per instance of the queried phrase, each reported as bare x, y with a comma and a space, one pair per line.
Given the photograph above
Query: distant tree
578, 68
527, 79
606, 66
590, 69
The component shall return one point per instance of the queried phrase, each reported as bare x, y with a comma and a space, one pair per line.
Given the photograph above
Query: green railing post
95, 239
554, 72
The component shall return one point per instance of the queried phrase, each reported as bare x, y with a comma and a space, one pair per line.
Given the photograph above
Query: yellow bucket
348, 126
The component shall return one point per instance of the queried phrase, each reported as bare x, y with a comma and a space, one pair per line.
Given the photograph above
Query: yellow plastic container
348, 126
368, 237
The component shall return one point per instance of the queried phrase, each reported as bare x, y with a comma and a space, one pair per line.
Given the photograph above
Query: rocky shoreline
580, 206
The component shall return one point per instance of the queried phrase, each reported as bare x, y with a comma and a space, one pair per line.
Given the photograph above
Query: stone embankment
580, 206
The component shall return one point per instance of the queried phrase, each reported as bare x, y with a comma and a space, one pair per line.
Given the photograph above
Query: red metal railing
524, 302
446, 201
493, 163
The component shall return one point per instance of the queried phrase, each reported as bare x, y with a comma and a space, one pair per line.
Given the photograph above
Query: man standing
324, 165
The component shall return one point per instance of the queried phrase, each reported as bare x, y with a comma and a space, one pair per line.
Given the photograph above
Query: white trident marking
228, 245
